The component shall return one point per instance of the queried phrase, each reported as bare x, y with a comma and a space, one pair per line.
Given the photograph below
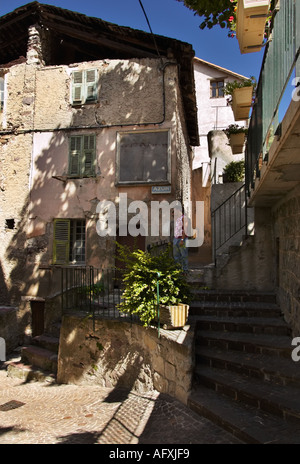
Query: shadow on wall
50, 198
28, 257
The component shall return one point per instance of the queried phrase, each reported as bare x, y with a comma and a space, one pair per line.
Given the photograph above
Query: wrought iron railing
281, 60
159, 247
228, 219
89, 290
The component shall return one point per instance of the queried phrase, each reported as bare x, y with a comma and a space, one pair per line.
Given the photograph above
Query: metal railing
228, 219
89, 290
280, 60
159, 247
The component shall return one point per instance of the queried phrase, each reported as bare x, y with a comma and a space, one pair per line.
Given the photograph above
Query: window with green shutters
61, 242
84, 86
69, 241
82, 155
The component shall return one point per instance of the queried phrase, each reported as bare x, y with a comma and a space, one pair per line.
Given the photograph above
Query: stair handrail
236, 230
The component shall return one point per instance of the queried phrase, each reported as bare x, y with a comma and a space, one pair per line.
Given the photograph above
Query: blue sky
169, 18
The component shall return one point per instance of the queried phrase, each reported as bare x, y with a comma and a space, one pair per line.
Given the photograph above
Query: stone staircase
245, 379
38, 360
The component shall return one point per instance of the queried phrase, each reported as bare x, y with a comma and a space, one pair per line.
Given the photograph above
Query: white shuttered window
84, 86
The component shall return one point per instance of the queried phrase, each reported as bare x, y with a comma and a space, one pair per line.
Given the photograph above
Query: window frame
64, 245
216, 81
84, 91
83, 154
166, 181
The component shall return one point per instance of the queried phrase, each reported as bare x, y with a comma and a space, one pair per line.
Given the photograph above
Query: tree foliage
214, 12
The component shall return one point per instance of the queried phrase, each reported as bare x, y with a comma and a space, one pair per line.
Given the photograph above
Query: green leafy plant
231, 86
217, 12
234, 171
235, 129
140, 277
95, 290
222, 13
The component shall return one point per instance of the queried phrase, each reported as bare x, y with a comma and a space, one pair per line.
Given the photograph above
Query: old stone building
89, 110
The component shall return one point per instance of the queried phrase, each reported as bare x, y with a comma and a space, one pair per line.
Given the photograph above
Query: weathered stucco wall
38, 103
120, 354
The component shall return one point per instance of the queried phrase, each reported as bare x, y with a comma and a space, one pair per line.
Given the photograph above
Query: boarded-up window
82, 155
84, 86
69, 241
143, 157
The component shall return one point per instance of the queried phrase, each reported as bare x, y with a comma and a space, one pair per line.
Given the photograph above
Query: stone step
54, 329
234, 309
254, 325
40, 357
283, 371
46, 341
243, 421
29, 373
272, 345
281, 401
232, 296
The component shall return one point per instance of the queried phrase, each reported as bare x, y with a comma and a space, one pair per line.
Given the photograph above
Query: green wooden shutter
91, 85
89, 149
77, 89
61, 241
75, 155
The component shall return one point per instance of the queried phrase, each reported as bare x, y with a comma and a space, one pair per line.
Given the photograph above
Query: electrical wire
153, 36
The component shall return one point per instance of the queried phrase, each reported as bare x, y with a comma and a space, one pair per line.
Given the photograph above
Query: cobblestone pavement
45, 413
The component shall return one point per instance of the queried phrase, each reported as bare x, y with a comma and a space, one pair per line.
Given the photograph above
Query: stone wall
250, 266
287, 256
124, 355
14, 324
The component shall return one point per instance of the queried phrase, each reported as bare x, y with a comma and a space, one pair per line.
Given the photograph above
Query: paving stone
49, 413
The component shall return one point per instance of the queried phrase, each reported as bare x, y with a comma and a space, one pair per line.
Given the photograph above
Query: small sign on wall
163, 189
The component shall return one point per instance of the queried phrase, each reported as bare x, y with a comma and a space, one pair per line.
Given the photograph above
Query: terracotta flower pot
241, 102
237, 142
174, 316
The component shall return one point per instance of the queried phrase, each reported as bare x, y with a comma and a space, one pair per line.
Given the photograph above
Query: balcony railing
280, 63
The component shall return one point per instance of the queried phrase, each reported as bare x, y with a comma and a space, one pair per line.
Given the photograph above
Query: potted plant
234, 171
241, 93
236, 135
155, 288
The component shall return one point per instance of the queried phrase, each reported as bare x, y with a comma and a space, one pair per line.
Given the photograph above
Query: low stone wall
13, 324
117, 354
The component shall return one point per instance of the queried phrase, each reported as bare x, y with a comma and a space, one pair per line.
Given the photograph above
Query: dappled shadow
79, 438
28, 257
52, 194
12, 429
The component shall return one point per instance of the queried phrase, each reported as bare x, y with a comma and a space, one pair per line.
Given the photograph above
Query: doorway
37, 317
